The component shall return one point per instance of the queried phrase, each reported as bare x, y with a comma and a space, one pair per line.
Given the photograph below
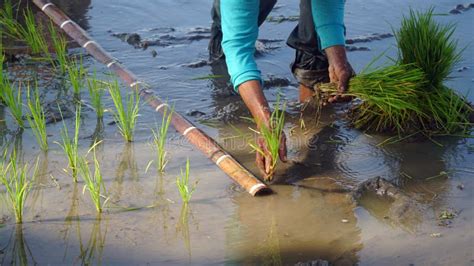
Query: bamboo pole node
46, 6
87, 43
136, 83
223, 157
256, 188
65, 23
111, 63
187, 130
161, 106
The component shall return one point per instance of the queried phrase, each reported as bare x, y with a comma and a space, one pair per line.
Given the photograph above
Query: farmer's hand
265, 161
340, 71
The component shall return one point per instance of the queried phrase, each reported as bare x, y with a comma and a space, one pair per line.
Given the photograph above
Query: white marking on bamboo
111, 63
136, 83
87, 43
223, 157
188, 130
65, 23
256, 188
161, 106
46, 6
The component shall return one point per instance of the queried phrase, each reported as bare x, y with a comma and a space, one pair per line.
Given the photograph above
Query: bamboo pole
194, 135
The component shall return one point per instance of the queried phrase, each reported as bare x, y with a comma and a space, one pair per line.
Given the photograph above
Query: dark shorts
310, 65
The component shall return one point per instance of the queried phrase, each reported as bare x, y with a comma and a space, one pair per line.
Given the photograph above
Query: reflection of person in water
318, 39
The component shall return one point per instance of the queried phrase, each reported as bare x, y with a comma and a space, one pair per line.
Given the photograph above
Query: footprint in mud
458, 9
280, 19
369, 38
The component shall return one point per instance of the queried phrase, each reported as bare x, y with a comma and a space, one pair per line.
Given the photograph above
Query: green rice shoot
18, 184
70, 146
125, 115
272, 135
96, 92
13, 101
37, 118
93, 181
76, 74
159, 140
60, 48
182, 182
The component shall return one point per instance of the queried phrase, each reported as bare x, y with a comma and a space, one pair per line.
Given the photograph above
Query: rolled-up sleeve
328, 16
240, 31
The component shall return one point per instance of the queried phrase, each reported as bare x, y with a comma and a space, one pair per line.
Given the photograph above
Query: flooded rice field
310, 218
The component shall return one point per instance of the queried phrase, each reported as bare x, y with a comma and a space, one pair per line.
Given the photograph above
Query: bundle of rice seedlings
389, 95
429, 46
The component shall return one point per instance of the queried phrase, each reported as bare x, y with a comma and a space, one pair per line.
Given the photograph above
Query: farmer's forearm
328, 17
240, 31
252, 94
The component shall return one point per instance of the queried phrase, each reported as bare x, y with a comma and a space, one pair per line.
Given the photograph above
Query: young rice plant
96, 93
94, 182
13, 101
37, 118
182, 182
125, 115
17, 183
159, 140
71, 146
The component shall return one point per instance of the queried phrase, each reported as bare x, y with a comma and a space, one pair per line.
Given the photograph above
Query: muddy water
309, 218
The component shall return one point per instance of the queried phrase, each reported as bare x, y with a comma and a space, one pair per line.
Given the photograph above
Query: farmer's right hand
340, 71
264, 161
252, 95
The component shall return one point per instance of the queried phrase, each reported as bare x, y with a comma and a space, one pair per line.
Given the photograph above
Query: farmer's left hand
340, 71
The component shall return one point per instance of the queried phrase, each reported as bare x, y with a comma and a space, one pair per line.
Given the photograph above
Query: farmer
318, 40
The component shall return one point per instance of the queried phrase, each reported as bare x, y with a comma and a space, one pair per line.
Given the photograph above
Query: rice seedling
13, 101
94, 182
125, 115
159, 140
37, 118
96, 93
272, 135
60, 47
76, 73
427, 45
71, 146
390, 99
182, 182
17, 183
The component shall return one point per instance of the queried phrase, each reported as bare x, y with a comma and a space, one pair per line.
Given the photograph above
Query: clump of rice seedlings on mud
271, 135
37, 118
429, 46
182, 182
94, 182
13, 101
389, 97
159, 140
17, 183
76, 74
60, 47
96, 92
71, 146
125, 115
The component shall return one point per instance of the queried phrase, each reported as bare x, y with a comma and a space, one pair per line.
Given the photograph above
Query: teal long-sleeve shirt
239, 19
